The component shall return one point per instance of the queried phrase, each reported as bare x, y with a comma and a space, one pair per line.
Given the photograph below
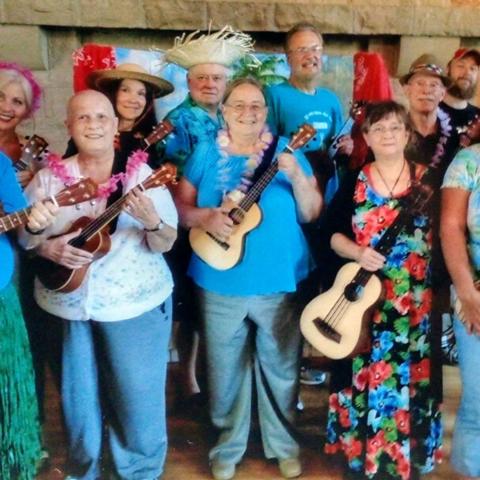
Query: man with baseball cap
463, 70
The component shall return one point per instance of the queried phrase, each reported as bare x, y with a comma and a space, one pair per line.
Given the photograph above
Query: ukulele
336, 322
159, 132
79, 192
31, 151
94, 237
245, 213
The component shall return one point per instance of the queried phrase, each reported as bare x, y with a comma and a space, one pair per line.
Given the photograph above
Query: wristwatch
156, 228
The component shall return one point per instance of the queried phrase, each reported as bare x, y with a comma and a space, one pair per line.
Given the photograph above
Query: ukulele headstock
159, 132
470, 133
79, 192
302, 136
167, 173
34, 147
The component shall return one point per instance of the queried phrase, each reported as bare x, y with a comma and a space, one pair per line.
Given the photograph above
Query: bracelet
156, 228
31, 232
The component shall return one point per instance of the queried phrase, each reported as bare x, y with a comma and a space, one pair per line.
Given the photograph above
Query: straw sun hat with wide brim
104, 79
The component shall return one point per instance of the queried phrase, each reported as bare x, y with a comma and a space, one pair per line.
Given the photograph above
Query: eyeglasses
304, 50
380, 131
242, 107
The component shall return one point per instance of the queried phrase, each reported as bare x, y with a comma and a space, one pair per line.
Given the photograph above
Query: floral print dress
387, 423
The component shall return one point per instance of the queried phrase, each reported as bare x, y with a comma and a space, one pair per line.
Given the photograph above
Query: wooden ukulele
336, 322
245, 213
95, 237
79, 192
159, 132
31, 151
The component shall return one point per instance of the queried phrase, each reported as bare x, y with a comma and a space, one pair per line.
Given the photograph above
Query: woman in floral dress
387, 420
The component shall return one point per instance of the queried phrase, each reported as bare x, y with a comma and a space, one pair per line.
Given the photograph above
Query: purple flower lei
28, 75
445, 130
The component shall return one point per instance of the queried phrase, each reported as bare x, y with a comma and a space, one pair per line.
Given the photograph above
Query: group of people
384, 416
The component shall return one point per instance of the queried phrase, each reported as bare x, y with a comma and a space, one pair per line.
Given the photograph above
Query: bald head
91, 122
87, 98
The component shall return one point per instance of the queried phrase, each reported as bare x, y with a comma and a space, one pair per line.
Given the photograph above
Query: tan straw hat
426, 64
103, 79
224, 47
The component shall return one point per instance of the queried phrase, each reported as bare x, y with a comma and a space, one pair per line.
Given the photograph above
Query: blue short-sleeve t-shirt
276, 255
12, 200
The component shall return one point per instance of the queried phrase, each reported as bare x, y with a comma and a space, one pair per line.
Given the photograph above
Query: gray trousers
240, 333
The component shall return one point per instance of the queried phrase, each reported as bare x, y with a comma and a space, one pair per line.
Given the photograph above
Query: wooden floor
190, 439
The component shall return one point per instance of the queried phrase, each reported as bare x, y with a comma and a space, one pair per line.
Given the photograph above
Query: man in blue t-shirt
300, 100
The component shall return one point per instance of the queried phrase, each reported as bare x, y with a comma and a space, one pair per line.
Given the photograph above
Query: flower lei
135, 160
253, 161
445, 130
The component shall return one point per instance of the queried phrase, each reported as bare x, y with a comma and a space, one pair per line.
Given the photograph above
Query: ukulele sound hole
223, 244
353, 291
328, 331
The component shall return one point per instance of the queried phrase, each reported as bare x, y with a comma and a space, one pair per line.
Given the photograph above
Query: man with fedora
463, 70
433, 143
207, 60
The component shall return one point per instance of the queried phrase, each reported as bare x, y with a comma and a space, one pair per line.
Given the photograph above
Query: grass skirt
19, 426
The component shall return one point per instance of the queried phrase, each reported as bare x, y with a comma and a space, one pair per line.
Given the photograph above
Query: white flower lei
253, 161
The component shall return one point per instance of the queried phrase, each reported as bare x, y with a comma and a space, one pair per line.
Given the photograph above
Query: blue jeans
240, 333
119, 369
465, 456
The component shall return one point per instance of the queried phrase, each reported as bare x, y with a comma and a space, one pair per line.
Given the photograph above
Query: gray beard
462, 93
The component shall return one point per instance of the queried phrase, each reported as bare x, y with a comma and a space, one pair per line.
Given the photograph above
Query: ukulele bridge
223, 244
327, 330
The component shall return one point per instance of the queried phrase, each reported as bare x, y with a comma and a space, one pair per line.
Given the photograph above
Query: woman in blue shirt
20, 438
248, 311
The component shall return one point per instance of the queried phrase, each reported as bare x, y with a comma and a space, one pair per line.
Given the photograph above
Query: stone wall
42, 34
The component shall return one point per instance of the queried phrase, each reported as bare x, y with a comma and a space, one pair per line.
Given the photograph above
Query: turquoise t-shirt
276, 255
12, 199
464, 172
289, 107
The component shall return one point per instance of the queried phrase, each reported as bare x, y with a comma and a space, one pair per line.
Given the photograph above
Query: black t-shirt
460, 117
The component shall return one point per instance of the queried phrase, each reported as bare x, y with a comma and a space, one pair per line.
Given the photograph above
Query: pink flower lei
56, 164
253, 161
28, 75
445, 130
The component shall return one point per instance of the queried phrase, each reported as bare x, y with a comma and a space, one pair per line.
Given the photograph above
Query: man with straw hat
207, 59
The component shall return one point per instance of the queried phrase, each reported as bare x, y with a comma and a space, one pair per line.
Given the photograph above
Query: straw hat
427, 64
224, 47
103, 79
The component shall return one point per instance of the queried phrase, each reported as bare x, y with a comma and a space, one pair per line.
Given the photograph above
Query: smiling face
424, 92
207, 83
388, 137
91, 122
305, 55
244, 110
131, 100
464, 74
13, 106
